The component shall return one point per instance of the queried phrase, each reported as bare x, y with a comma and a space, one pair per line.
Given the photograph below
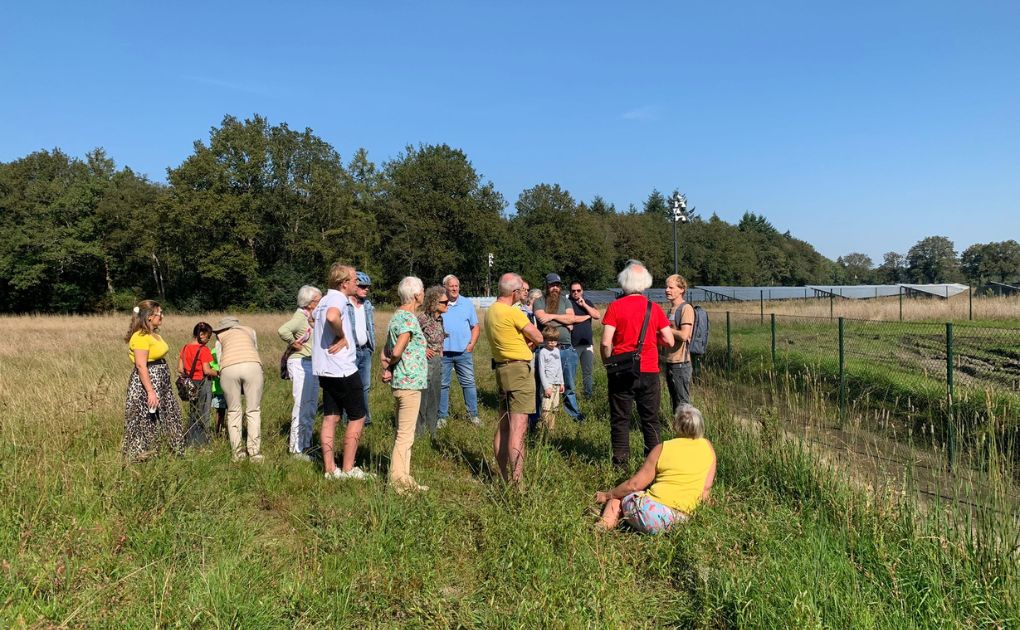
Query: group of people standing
331, 341
219, 378
676, 475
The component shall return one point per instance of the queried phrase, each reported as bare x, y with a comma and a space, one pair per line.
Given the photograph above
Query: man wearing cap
461, 324
241, 374
552, 310
362, 314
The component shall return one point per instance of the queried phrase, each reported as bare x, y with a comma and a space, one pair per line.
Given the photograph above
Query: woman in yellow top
676, 476
151, 412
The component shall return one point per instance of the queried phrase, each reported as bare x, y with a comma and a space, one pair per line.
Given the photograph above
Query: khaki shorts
516, 385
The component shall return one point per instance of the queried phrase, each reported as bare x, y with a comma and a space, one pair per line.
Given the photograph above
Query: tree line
934, 259
258, 209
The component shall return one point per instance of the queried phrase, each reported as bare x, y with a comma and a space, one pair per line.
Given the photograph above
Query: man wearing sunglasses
581, 335
362, 314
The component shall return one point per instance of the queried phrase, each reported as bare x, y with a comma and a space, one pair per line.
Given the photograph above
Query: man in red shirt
621, 330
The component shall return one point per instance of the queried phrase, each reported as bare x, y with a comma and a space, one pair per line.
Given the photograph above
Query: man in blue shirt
461, 324
362, 317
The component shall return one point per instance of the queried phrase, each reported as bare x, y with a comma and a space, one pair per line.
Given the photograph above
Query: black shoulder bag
629, 362
187, 389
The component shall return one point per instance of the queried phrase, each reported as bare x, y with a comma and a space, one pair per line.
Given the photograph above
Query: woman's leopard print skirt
142, 433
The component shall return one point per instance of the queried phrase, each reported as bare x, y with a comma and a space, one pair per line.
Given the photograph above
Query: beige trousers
408, 401
234, 379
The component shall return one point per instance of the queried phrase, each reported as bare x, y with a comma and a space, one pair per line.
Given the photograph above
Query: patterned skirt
142, 434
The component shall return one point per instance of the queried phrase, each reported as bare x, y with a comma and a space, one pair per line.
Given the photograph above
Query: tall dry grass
957, 308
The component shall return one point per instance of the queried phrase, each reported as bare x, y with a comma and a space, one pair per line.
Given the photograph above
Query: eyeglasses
444, 301
576, 290
363, 286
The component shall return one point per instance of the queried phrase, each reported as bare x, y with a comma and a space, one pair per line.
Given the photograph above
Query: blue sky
857, 126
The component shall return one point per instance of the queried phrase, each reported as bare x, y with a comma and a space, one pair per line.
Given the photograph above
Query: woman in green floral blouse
405, 368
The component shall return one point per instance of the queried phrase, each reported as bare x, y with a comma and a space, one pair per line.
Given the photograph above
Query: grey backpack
699, 336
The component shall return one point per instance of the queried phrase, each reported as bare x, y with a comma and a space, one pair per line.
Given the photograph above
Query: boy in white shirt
550, 375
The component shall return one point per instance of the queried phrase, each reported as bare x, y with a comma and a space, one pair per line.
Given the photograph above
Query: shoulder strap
194, 362
644, 326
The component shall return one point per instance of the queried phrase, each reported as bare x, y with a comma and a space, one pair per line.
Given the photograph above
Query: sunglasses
575, 290
444, 301
363, 286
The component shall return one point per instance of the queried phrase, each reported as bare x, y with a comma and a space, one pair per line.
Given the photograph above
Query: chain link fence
953, 389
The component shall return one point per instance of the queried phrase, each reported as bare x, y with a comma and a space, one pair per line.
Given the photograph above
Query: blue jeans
464, 363
569, 361
364, 363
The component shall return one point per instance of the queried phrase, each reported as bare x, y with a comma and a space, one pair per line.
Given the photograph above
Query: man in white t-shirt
334, 361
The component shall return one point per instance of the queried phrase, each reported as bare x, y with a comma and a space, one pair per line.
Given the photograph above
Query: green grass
788, 541
895, 367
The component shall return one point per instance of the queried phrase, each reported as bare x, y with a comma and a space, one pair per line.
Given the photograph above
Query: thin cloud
645, 112
227, 85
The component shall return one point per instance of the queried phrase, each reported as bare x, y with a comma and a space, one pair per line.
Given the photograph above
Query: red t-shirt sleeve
658, 320
609, 319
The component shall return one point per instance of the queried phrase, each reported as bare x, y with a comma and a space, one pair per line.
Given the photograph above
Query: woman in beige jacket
241, 371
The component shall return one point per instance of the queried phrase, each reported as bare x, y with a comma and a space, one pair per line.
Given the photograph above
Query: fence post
761, 304
842, 373
729, 344
950, 427
773, 316
970, 303
831, 298
901, 304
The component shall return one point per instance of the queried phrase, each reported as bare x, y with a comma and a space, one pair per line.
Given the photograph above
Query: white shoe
358, 474
301, 457
336, 474
475, 420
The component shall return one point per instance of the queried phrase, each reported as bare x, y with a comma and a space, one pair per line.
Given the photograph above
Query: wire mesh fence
953, 389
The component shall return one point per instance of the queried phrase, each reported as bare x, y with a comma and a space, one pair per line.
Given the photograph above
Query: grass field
791, 539
896, 374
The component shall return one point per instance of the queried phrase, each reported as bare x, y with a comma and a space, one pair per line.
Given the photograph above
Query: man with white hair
461, 324
622, 329
509, 331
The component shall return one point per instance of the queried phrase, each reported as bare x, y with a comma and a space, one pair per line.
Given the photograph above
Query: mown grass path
198, 541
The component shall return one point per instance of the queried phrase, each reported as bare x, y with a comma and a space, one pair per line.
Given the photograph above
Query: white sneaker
475, 420
336, 474
358, 474
301, 457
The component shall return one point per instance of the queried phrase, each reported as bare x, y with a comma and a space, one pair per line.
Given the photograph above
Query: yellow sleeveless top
680, 473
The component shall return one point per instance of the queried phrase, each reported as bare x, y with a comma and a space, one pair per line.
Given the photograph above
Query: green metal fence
955, 388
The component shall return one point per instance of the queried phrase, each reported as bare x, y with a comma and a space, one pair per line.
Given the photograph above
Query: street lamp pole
488, 275
680, 215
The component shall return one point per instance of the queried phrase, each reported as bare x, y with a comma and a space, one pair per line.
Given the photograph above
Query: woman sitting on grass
676, 476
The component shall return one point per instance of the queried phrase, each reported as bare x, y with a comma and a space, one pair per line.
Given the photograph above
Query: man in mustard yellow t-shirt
509, 332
